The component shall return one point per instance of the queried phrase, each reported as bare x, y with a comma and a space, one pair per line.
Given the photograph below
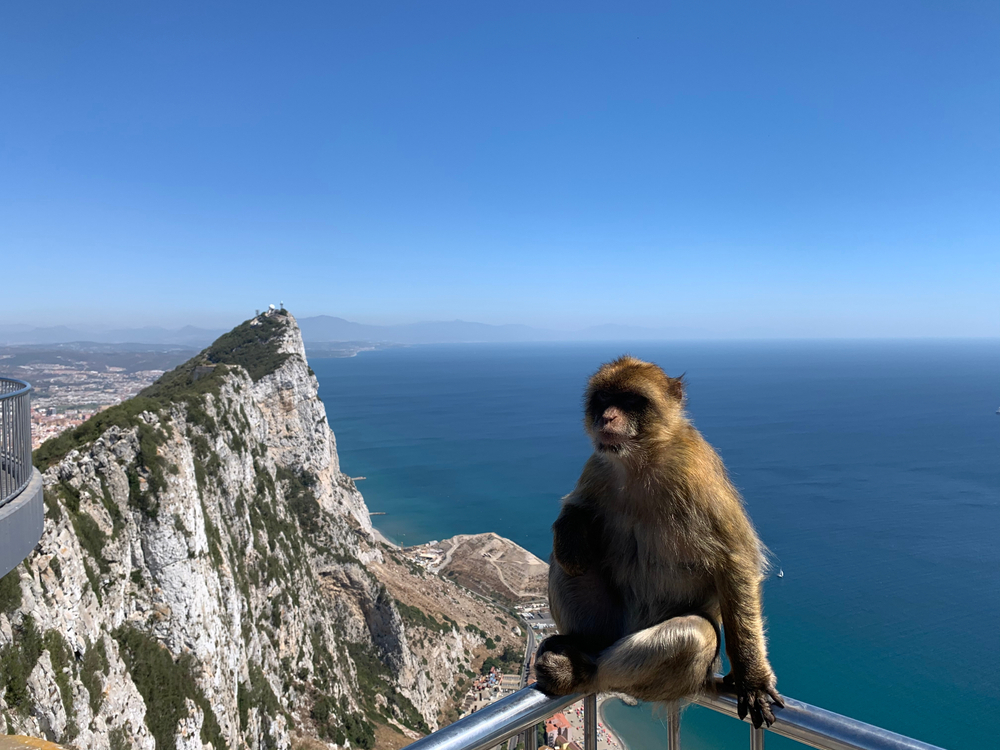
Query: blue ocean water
871, 470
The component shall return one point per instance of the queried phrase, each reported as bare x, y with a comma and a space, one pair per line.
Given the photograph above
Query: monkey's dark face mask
615, 419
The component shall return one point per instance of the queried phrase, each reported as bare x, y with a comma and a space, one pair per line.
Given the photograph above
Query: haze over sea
869, 468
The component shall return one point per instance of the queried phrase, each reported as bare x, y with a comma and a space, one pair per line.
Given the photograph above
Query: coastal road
528, 651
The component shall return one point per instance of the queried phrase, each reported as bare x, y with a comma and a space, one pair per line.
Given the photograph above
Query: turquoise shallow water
872, 471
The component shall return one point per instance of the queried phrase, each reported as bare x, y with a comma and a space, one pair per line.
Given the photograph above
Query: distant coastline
344, 349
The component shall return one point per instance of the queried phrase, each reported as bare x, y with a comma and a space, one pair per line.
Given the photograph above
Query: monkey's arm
575, 538
738, 582
751, 676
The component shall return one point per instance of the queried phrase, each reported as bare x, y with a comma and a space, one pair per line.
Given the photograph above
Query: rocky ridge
208, 578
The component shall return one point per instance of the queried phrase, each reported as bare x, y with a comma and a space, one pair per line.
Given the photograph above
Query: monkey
654, 557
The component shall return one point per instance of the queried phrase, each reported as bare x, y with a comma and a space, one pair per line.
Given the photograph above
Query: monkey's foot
755, 700
562, 667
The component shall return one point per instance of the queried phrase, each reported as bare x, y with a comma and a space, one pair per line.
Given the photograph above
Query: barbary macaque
653, 556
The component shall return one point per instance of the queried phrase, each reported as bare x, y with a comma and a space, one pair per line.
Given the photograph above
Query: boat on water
781, 573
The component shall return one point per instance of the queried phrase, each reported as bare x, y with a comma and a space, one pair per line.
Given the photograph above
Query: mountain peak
259, 345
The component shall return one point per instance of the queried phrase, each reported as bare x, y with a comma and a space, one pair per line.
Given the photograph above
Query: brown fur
653, 553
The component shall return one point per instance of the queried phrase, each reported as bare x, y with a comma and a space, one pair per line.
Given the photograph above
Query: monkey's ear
675, 388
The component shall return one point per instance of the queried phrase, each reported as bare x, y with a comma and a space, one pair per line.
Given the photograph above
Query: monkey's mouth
613, 441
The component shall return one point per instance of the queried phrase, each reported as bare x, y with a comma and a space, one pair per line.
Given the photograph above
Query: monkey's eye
633, 402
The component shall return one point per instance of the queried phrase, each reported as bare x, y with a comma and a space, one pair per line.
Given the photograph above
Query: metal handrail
492, 724
527, 707
15, 438
817, 727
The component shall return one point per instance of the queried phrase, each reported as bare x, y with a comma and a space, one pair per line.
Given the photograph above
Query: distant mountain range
327, 329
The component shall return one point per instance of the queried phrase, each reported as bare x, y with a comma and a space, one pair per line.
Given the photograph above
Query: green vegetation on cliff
252, 347
416, 617
95, 664
164, 684
255, 348
258, 694
61, 658
17, 659
335, 721
508, 661
88, 533
10, 591
375, 678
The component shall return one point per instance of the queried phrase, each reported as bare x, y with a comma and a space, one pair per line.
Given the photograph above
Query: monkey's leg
586, 606
665, 662
588, 613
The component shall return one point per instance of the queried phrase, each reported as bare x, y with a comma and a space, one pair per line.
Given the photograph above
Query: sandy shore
380, 537
601, 700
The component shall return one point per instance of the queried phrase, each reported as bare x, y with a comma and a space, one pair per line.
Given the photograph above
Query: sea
871, 470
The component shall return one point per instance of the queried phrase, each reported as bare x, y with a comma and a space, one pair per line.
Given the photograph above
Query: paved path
529, 649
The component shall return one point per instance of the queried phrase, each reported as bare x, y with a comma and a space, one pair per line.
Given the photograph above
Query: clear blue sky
781, 168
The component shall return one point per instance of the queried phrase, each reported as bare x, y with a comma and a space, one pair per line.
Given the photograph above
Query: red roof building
558, 730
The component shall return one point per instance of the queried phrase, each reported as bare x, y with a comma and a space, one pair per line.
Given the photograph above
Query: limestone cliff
208, 577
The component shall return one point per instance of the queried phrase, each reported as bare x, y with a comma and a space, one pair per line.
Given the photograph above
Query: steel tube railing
498, 721
15, 438
590, 721
527, 707
673, 725
530, 738
818, 727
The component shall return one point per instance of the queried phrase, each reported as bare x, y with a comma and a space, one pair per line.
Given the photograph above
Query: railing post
673, 725
756, 738
590, 722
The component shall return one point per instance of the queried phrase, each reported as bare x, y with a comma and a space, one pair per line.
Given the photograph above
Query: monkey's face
627, 402
615, 419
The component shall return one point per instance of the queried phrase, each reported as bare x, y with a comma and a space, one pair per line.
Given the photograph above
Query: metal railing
526, 708
15, 438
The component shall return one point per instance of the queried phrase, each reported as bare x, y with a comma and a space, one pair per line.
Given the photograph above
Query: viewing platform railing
21, 506
15, 438
522, 711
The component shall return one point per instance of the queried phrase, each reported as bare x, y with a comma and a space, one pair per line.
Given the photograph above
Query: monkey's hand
574, 540
755, 692
562, 667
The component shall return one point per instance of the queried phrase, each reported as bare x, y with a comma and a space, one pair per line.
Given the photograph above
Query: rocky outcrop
488, 564
208, 577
